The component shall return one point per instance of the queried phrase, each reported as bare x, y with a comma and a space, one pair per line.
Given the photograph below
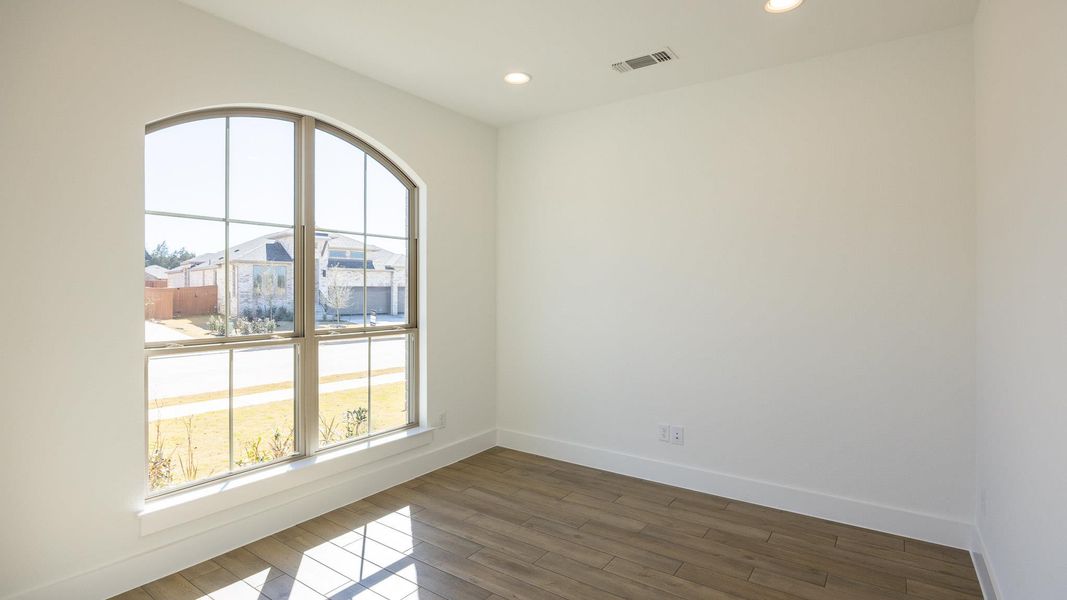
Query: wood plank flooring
505, 524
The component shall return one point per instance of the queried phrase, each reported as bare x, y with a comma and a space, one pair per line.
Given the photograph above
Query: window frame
305, 336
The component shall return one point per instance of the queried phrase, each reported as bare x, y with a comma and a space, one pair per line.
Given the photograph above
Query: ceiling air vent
647, 60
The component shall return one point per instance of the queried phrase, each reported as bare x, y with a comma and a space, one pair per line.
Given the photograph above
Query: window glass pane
387, 202
188, 418
184, 283
263, 405
339, 288
387, 281
388, 383
229, 405
185, 168
262, 170
338, 184
261, 279
343, 400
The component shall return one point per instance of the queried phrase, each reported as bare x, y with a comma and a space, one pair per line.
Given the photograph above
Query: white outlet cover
664, 432
678, 435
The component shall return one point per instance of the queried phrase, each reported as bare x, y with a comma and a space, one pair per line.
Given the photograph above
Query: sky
185, 172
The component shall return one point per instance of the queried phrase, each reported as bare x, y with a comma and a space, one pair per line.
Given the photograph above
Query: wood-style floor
504, 524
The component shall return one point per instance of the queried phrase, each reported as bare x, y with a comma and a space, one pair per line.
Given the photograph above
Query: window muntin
231, 381
361, 272
363, 387
248, 192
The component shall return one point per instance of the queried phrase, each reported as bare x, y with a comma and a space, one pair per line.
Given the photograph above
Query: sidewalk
222, 404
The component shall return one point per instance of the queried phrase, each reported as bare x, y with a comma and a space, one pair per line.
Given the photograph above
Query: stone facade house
352, 279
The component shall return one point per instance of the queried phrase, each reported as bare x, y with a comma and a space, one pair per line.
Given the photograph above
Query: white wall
79, 82
1021, 80
781, 262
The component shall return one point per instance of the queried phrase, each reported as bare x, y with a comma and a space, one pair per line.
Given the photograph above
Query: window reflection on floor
360, 551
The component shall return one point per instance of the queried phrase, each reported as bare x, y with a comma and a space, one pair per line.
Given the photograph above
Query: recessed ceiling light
517, 78
781, 6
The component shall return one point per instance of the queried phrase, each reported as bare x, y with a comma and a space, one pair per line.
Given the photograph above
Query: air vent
647, 60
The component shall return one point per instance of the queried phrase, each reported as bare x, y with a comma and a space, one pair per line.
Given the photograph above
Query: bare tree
336, 294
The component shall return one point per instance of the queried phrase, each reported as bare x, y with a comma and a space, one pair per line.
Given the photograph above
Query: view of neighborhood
221, 262
184, 294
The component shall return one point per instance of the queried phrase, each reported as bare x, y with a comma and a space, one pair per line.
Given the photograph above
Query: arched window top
280, 300
218, 115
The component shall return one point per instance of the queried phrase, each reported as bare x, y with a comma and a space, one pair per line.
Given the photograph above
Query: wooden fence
172, 303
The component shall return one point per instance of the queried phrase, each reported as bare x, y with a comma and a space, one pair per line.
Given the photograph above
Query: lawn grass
210, 431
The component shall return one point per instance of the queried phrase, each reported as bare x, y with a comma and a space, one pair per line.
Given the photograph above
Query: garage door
402, 294
378, 299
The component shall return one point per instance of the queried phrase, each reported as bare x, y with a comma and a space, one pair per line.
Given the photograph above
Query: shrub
281, 446
216, 324
253, 454
354, 419
277, 313
249, 324
160, 465
243, 326
278, 446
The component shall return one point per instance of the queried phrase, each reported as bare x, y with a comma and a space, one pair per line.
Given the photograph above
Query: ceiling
456, 52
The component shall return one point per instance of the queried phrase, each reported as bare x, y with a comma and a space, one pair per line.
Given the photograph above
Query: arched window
280, 273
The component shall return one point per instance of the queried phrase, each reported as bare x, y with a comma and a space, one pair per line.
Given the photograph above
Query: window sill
183, 507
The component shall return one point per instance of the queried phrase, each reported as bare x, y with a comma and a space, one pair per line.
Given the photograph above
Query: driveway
157, 332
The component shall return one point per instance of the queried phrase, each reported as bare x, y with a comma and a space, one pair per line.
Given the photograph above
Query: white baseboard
119, 576
988, 581
931, 528
122, 575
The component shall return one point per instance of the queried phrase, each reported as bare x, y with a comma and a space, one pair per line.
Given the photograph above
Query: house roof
154, 272
377, 258
276, 252
266, 248
273, 248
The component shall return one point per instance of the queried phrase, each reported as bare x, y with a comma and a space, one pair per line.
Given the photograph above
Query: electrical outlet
664, 433
677, 435
442, 420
